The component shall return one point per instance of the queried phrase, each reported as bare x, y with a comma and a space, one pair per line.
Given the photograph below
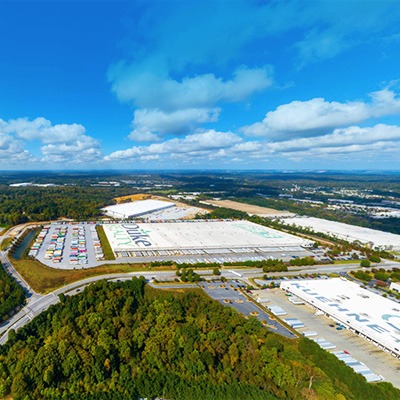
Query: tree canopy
125, 340
12, 295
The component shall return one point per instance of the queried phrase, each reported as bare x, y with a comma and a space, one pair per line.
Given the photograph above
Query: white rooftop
195, 235
348, 232
136, 208
368, 313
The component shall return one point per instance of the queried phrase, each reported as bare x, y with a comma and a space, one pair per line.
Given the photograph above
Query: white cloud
6, 141
202, 144
247, 147
148, 123
43, 130
211, 146
65, 143
372, 150
150, 90
300, 118
373, 141
337, 28
170, 44
12, 152
340, 137
84, 149
169, 106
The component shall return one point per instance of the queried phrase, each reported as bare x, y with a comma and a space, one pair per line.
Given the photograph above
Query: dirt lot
249, 208
134, 197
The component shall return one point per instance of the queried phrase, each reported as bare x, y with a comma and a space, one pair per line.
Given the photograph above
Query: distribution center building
351, 233
136, 208
368, 314
211, 236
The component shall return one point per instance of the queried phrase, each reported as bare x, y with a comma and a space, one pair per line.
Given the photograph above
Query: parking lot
207, 256
378, 361
228, 295
70, 245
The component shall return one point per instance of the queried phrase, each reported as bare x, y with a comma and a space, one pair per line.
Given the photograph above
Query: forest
126, 340
18, 205
12, 295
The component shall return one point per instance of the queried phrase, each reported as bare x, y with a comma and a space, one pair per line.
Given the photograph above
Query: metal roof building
243, 236
368, 314
136, 208
351, 233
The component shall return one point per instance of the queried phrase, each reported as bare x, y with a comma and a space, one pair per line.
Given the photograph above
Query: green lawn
105, 244
44, 279
5, 243
346, 262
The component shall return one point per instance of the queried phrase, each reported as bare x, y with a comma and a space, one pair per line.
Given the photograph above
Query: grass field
357, 262
43, 279
5, 229
105, 244
5, 243
133, 197
248, 208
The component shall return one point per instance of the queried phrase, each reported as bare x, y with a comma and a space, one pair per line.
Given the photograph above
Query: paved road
38, 303
11, 270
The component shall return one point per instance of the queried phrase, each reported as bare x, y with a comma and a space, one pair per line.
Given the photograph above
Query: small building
395, 287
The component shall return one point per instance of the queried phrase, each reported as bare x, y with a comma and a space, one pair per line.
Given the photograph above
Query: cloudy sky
200, 84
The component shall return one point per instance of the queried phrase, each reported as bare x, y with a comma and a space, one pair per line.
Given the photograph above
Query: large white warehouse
351, 233
241, 235
136, 208
368, 314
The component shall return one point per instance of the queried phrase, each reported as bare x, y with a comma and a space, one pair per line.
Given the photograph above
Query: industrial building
136, 208
370, 237
211, 236
371, 316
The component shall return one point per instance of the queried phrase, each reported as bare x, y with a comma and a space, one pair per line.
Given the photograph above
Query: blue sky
189, 84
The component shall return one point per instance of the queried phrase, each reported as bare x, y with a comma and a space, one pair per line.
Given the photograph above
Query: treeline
125, 340
18, 242
302, 262
380, 274
271, 265
188, 275
12, 296
167, 263
223, 213
24, 204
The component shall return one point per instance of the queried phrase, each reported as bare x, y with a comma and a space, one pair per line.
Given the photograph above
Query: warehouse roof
366, 312
136, 208
348, 232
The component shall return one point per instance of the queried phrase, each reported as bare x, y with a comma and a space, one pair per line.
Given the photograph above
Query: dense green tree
363, 276
127, 340
12, 296
216, 271
374, 258
365, 263
382, 276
